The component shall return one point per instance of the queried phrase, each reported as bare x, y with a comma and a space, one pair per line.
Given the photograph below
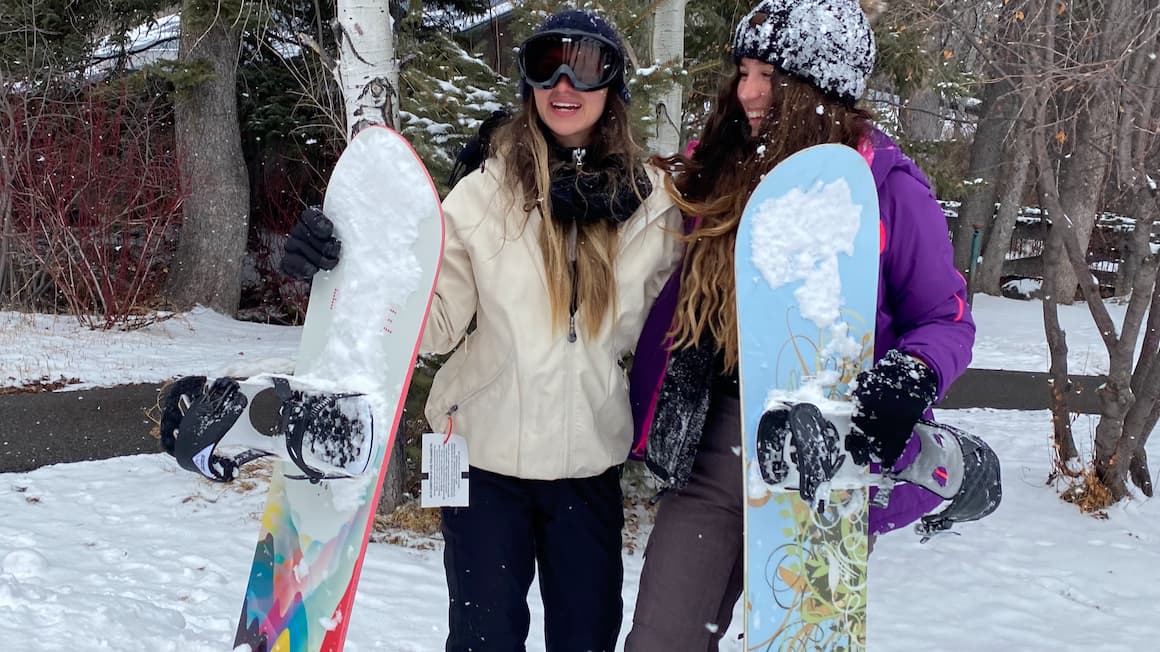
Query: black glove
888, 400
858, 446
311, 245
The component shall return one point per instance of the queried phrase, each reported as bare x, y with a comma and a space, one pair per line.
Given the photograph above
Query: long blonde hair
523, 146
713, 186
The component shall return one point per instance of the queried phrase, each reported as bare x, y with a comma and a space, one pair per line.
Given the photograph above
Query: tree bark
1124, 459
919, 116
6, 188
978, 207
1086, 169
1139, 473
1082, 181
999, 107
668, 46
1059, 385
1048, 191
1111, 458
1134, 143
990, 270
207, 268
368, 70
1142, 417
1127, 399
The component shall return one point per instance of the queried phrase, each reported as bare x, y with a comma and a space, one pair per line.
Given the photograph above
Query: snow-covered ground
134, 554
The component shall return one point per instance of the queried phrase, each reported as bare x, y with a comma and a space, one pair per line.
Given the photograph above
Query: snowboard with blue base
807, 282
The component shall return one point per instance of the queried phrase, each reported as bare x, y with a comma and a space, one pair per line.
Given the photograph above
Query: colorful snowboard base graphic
807, 283
361, 333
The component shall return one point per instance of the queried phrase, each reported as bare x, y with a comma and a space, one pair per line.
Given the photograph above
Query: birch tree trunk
668, 49
368, 70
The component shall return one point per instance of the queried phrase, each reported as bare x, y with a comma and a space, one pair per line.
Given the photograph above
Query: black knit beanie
591, 23
828, 43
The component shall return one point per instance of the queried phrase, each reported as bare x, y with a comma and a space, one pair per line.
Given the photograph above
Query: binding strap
195, 419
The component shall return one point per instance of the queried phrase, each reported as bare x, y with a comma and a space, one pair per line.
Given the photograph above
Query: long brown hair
523, 146
713, 186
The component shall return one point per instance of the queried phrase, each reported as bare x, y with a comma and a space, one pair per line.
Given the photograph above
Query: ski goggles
590, 62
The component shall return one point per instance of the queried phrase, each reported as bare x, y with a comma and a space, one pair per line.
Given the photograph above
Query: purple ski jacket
922, 311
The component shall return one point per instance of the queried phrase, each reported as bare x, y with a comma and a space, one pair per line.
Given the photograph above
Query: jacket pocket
466, 376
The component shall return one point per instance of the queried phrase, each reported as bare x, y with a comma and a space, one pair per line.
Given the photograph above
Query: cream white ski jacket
530, 403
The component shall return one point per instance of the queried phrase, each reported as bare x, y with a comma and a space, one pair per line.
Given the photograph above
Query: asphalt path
72, 426
37, 429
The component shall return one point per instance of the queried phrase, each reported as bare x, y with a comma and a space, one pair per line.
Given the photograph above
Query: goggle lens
589, 63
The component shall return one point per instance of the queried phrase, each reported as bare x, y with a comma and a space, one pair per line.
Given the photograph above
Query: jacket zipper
572, 305
573, 235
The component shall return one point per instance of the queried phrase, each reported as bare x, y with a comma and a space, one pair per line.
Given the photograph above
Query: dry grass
1078, 483
153, 412
256, 476
42, 384
1085, 490
411, 518
410, 526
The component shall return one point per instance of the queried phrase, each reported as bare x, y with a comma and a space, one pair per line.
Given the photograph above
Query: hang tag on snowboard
443, 466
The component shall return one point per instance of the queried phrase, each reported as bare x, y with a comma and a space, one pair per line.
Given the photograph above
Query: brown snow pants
693, 562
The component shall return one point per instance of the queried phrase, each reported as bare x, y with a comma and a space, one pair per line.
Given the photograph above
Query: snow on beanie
591, 23
828, 43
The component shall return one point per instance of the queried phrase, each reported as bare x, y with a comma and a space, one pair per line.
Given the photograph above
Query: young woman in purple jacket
801, 67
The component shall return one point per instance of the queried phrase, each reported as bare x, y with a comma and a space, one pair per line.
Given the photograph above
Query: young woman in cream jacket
556, 249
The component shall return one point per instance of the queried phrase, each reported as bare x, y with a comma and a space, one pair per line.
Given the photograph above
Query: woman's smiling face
755, 90
570, 114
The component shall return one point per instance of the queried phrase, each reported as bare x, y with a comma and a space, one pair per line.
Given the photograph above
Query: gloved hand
888, 400
311, 245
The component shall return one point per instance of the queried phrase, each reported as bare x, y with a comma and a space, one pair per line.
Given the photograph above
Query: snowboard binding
326, 436
772, 433
958, 467
194, 419
316, 428
980, 487
955, 465
816, 449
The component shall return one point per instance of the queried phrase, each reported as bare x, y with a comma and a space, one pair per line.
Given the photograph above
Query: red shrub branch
95, 194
